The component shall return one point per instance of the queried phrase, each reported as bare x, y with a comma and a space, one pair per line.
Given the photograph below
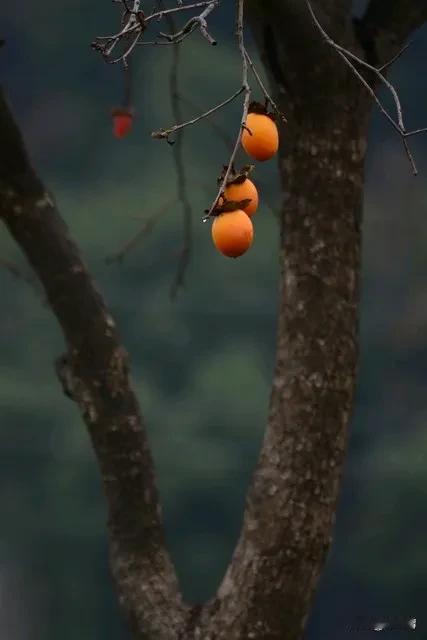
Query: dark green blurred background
202, 366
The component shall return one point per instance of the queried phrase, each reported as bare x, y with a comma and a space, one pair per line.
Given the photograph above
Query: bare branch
166, 133
135, 23
262, 86
182, 188
98, 365
197, 22
165, 12
133, 26
396, 57
225, 137
187, 213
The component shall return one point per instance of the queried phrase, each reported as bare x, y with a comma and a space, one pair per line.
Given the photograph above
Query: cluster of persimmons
232, 227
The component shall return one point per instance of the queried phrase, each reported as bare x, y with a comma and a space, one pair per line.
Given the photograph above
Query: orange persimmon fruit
232, 233
261, 138
122, 122
246, 190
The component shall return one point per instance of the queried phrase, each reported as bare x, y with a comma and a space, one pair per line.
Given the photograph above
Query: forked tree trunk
268, 588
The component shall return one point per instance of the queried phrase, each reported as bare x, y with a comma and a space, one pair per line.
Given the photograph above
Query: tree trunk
276, 565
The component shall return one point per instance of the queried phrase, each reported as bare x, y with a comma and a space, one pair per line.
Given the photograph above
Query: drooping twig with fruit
258, 132
259, 137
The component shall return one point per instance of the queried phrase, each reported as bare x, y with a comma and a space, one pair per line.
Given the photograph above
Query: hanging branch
246, 101
134, 24
178, 153
397, 122
229, 143
267, 96
127, 93
187, 212
244, 89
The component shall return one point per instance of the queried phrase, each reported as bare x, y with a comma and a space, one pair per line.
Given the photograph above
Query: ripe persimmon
261, 138
232, 233
243, 190
122, 122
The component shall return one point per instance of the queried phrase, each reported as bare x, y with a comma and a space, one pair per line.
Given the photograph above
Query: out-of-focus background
203, 365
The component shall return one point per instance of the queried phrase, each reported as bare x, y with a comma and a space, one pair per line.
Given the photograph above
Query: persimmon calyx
261, 109
226, 206
236, 177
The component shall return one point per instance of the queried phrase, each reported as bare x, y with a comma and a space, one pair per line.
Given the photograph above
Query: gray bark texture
268, 588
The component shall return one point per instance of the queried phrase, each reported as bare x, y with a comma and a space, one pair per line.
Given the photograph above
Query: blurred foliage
202, 366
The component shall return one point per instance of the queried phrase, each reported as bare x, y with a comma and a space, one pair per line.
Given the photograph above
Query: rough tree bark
268, 588
95, 373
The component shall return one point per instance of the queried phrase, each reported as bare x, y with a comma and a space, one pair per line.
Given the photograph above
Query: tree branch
246, 90
98, 368
181, 178
135, 22
291, 503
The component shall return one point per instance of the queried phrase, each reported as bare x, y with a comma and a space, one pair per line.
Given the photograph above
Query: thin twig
225, 137
182, 188
180, 7
415, 132
166, 133
128, 76
398, 55
262, 86
156, 43
135, 23
197, 22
